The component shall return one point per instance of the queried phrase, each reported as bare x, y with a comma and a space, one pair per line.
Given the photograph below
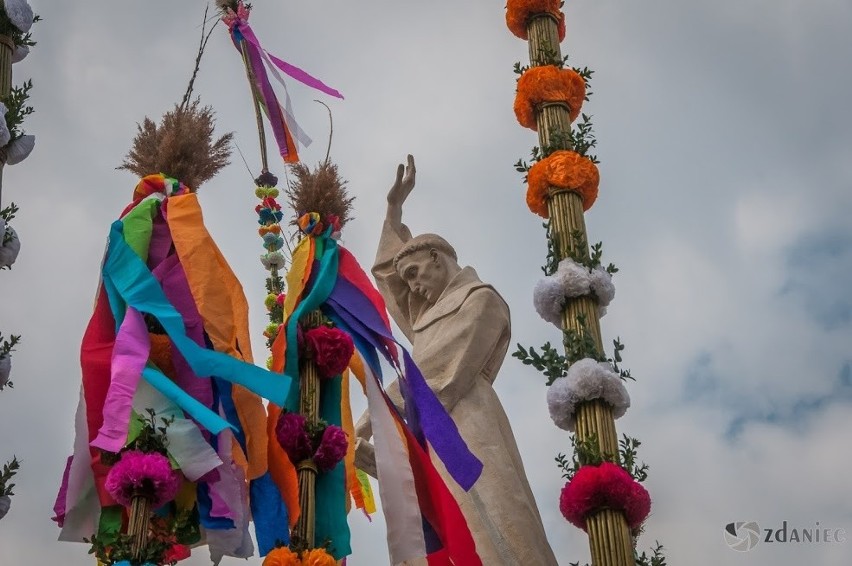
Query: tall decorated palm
603, 494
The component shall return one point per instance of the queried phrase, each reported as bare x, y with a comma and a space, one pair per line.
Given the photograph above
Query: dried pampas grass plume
225, 5
321, 190
182, 146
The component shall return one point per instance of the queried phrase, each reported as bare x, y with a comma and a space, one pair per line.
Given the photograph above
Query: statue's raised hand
403, 185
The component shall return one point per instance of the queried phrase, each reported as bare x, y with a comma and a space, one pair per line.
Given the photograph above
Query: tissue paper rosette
605, 486
561, 169
519, 12
149, 475
548, 83
331, 349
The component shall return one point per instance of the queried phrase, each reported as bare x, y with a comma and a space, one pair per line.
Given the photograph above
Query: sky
724, 134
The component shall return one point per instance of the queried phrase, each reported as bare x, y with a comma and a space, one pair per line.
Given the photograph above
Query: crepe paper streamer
331, 492
282, 120
292, 70
320, 289
266, 96
281, 468
271, 523
426, 410
427, 520
127, 279
223, 307
129, 357
186, 444
367, 490
353, 484
396, 481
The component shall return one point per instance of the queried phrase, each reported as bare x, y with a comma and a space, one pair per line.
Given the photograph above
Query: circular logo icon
742, 536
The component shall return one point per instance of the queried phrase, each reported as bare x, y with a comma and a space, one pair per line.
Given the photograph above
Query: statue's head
427, 263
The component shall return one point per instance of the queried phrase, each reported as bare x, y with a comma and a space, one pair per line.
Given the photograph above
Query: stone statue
459, 328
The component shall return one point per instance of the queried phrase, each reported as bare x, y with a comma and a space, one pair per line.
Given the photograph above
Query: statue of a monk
459, 328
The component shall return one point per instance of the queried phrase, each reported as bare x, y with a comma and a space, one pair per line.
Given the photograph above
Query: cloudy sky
724, 134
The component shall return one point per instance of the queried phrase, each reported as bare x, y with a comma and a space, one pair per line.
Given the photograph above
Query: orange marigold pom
548, 83
518, 13
318, 557
282, 556
562, 169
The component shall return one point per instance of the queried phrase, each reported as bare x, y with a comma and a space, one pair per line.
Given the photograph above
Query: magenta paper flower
607, 485
292, 436
140, 473
332, 448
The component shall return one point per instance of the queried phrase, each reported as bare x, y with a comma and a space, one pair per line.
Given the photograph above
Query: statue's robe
459, 344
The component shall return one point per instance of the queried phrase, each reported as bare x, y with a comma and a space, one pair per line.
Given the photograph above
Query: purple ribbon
350, 304
172, 278
270, 101
292, 70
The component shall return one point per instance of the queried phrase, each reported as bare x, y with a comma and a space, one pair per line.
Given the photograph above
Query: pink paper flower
140, 473
608, 485
292, 436
332, 448
332, 349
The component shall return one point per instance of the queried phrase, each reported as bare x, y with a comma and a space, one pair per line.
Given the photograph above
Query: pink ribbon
292, 70
129, 356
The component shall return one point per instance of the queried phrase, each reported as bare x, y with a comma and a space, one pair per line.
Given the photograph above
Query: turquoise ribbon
128, 280
321, 289
189, 404
331, 486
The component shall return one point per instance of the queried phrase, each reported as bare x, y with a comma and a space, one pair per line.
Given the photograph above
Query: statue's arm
395, 234
480, 326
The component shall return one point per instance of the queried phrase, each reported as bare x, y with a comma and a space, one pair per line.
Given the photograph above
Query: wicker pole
610, 539
309, 403
7, 48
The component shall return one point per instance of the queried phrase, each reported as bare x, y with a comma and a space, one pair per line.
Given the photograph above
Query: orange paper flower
548, 83
282, 556
318, 557
565, 170
519, 12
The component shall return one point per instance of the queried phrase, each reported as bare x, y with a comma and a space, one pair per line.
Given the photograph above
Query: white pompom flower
5, 370
549, 300
273, 259
20, 53
5, 134
20, 14
9, 251
587, 379
5, 503
573, 277
19, 149
602, 286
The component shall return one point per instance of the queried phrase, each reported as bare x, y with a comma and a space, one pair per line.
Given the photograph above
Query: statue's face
425, 273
